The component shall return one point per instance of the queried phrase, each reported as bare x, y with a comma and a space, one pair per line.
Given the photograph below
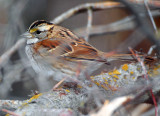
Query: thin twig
10, 112
4, 57
89, 23
150, 15
84, 7
126, 23
151, 49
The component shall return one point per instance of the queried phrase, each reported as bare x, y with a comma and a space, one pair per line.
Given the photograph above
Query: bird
56, 51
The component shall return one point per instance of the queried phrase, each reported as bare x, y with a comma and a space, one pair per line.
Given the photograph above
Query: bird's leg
55, 88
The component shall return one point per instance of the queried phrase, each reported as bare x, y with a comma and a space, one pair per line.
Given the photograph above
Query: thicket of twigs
122, 88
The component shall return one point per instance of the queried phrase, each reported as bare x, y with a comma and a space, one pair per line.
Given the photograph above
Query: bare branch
89, 23
150, 15
108, 109
4, 57
126, 23
95, 6
84, 7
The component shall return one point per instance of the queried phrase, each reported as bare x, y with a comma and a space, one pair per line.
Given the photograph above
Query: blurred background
16, 79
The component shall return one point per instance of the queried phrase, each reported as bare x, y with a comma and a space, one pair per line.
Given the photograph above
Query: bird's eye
38, 32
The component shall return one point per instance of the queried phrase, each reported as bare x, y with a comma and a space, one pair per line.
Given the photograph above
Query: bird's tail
129, 57
121, 57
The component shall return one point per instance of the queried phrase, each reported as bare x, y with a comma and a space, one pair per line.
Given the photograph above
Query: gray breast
43, 68
38, 66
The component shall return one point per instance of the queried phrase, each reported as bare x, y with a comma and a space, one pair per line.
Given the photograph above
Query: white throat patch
32, 41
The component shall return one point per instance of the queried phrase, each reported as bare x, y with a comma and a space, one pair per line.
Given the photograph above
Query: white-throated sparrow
55, 50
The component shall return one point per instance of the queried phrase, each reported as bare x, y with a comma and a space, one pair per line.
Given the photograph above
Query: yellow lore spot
33, 30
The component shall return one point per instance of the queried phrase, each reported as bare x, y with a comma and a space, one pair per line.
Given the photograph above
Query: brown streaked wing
68, 48
83, 50
53, 46
47, 44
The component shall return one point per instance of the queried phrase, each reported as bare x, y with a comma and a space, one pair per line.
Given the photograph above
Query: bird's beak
26, 35
30, 38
